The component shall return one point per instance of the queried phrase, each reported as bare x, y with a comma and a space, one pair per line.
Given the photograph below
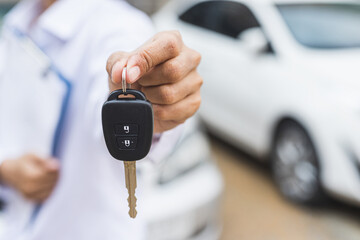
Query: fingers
34, 177
39, 189
162, 47
173, 70
48, 166
165, 70
173, 93
39, 194
177, 113
52, 165
40, 197
37, 177
161, 126
40, 176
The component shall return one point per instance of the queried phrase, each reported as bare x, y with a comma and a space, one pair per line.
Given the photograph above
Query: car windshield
323, 25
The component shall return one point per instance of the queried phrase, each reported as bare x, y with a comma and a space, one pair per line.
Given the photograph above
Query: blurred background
279, 118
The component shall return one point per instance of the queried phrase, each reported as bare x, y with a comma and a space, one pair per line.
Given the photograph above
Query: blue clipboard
33, 101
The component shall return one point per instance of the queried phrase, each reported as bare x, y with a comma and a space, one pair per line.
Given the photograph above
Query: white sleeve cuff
164, 144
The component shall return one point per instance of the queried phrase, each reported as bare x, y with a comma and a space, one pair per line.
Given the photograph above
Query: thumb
162, 47
114, 67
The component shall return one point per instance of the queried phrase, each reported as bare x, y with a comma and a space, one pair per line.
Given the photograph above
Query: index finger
162, 47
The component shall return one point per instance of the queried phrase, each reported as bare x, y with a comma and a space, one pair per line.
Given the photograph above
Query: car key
128, 130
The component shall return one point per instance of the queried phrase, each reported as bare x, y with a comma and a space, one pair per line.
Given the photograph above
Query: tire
295, 165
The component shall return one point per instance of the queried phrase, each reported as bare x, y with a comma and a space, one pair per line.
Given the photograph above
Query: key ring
124, 84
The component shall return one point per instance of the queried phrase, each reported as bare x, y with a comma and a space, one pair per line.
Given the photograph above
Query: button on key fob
127, 125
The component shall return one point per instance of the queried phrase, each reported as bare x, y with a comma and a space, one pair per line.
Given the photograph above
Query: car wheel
295, 165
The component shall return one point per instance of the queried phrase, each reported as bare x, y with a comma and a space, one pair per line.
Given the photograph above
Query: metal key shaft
130, 167
130, 180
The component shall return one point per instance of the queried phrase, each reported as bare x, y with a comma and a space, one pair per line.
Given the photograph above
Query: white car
182, 200
282, 80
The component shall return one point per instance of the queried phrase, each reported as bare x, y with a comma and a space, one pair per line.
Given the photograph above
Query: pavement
253, 209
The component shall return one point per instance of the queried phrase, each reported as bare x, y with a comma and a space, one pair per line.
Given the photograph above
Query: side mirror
254, 40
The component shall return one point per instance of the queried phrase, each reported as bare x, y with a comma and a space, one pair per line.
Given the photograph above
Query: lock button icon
127, 143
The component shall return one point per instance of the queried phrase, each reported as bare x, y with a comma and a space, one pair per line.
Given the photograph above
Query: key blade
130, 180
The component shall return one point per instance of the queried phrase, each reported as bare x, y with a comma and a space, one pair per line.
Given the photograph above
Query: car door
235, 84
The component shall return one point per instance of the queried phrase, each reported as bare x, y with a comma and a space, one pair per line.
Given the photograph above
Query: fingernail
133, 74
116, 69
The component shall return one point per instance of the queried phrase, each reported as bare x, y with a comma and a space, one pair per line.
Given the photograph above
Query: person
82, 191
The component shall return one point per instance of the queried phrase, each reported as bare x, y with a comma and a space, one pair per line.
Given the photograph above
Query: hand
164, 69
32, 176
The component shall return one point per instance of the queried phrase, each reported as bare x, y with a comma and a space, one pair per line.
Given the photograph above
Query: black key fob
128, 125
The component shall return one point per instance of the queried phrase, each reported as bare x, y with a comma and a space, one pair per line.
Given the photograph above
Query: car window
225, 17
327, 25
